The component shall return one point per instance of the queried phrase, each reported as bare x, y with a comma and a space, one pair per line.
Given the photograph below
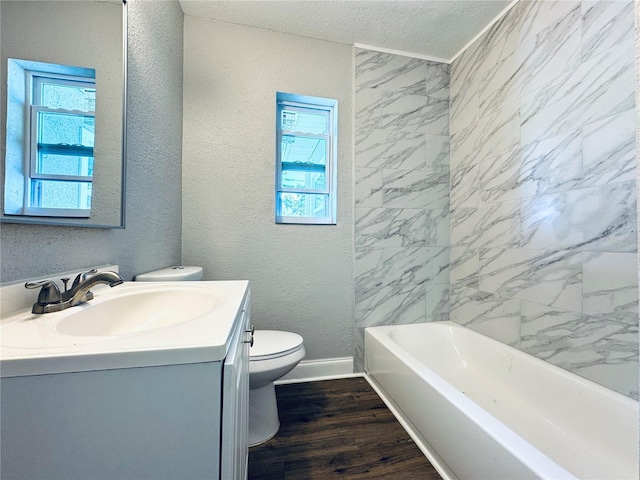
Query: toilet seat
269, 344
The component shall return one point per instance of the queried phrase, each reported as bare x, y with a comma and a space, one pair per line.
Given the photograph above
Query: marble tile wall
543, 193
401, 192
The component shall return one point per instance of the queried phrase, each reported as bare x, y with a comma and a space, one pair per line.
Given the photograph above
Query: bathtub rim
527, 453
517, 352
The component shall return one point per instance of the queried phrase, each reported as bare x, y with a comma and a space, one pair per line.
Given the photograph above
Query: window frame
34, 80
35, 147
329, 109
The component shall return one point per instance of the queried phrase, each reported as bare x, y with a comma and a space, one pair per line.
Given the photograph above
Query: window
58, 149
306, 160
61, 142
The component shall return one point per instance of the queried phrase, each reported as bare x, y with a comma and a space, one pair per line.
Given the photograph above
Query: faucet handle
50, 293
81, 277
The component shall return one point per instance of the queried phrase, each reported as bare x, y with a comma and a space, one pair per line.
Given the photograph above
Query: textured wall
401, 192
152, 235
543, 192
301, 275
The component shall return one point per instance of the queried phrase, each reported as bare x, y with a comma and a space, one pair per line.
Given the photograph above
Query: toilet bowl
273, 354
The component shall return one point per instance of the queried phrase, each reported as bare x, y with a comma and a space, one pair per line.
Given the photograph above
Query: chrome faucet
51, 300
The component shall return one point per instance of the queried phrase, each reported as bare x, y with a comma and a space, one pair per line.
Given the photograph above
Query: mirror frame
68, 221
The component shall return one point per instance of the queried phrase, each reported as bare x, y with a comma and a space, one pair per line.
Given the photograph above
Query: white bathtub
480, 409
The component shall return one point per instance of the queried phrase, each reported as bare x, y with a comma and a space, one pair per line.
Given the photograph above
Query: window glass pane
69, 97
303, 205
61, 164
55, 194
309, 121
299, 149
66, 129
307, 180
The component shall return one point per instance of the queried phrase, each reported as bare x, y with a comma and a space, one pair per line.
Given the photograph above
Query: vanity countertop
33, 344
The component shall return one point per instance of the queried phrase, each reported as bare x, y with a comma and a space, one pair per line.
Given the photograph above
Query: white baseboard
325, 369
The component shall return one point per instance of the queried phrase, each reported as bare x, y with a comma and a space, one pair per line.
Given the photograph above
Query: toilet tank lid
273, 343
171, 274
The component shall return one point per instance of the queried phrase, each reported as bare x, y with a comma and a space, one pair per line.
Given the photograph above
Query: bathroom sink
134, 324
124, 311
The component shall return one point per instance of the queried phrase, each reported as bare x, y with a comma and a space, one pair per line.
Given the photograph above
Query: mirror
50, 50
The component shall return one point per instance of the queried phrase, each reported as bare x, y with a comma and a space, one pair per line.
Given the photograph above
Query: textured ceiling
431, 28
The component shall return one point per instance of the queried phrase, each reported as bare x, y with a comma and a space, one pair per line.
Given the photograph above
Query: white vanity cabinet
132, 410
235, 402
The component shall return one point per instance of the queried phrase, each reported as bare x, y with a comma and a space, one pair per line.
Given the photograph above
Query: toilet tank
171, 274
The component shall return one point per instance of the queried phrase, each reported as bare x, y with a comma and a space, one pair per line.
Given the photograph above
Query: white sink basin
124, 311
130, 325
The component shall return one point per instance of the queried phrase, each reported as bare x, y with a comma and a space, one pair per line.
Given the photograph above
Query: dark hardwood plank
337, 429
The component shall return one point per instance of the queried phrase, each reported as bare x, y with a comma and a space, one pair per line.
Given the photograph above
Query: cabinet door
235, 402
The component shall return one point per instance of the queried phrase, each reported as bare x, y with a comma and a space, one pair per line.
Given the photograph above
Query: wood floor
337, 429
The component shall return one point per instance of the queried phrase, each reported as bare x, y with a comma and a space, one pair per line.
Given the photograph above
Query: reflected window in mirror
51, 147
46, 32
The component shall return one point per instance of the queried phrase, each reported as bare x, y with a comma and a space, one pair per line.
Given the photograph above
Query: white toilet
172, 274
272, 355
